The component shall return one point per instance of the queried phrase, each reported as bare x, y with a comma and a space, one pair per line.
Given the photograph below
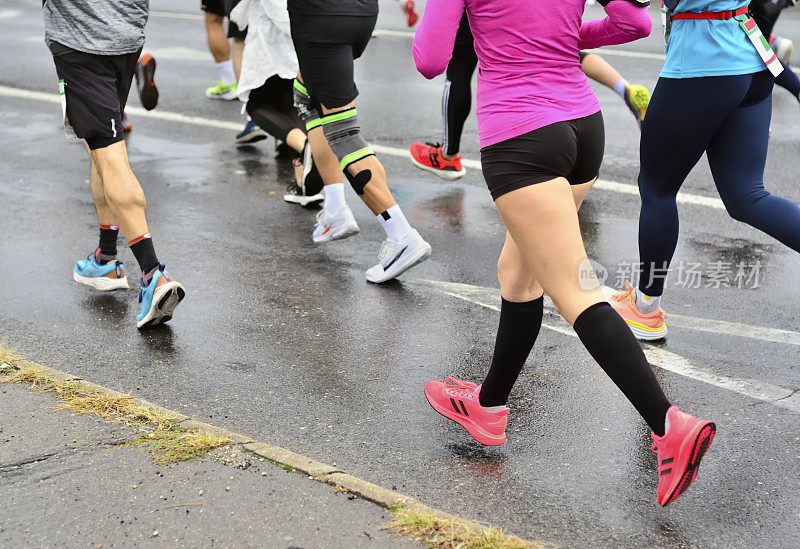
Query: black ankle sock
145, 254
609, 340
516, 334
108, 242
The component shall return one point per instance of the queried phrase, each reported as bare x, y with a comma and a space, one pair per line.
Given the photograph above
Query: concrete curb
316, 470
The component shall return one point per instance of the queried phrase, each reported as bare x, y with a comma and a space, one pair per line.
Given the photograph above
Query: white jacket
268, 47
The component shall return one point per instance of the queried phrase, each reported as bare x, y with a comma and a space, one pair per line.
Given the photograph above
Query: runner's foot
646, 327
220, 90
145, 84
251, 133
458, 400
158, 298
782, 47
395, 258
679, 452
637, 98
104, 277
428, 156
295, 195
334, 227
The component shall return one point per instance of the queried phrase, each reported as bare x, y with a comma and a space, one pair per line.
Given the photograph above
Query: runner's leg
737, 154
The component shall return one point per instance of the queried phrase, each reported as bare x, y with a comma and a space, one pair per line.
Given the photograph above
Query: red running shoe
411, 12
458, 400
428, 156
145, 72
679, 453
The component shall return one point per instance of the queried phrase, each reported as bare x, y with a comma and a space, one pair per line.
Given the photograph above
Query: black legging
271, 106
727, 117
457, 96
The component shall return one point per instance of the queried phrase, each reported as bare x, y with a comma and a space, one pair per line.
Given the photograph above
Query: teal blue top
709, 47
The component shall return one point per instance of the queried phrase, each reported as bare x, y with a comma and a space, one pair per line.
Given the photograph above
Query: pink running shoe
458, 400
679, 453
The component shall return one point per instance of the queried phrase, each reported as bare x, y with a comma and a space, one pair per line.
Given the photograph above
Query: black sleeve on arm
641, 3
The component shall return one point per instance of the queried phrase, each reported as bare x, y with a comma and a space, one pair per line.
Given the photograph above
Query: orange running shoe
679, 453
428, 156
646, 327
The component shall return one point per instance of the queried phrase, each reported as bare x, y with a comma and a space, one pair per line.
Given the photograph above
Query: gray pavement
64, 482
285, 341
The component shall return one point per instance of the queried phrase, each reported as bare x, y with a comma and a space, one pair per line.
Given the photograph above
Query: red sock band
139, 239
110, 227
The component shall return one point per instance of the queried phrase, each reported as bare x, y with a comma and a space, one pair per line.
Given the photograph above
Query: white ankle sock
619, 87
334, 197
645, 303
226, 73
394, 223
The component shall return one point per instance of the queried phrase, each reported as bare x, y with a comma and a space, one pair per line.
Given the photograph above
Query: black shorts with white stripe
96, 90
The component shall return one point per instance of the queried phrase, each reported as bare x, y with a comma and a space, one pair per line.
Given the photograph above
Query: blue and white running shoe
158, 299
106, 277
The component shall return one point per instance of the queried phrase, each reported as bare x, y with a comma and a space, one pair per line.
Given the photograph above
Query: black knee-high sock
609, 340
519, 326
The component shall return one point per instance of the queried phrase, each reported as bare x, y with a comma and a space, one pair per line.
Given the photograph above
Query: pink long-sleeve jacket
529, 73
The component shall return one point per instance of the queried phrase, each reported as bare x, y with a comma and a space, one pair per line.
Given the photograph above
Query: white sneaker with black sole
334, 227
395, 258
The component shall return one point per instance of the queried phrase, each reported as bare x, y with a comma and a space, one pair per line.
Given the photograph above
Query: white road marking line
178, 15
602, 184
666, 360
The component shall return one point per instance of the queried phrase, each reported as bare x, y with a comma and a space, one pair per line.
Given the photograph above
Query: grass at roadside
439, 533
168, 443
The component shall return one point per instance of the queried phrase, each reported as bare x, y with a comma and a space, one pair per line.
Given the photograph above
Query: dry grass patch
7, 356
167, 444
170, 445
439, 533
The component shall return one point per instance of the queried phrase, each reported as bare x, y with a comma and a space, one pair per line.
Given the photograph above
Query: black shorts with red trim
96, 90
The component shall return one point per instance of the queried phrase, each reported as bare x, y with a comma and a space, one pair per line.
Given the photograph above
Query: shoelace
434, 145
624, 294
384, 249
461, 386
320, 216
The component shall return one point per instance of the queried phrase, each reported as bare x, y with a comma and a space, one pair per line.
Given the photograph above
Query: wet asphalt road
284, 340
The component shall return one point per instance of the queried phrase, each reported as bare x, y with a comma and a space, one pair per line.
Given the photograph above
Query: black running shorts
326, 46
96, 90
572, 149
223, 9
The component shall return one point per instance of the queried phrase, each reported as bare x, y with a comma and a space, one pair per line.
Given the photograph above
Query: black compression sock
108, 243
609, 340
145, 253
516, 334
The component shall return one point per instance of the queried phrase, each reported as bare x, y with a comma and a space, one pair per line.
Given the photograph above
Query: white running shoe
334, 227
395, 258
783, 48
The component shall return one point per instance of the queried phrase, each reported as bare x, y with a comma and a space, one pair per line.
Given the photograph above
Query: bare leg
121, 192
104, 215
218, 43
543, 221
238, 50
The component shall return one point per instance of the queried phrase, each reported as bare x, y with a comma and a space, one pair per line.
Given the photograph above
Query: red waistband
719, 15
